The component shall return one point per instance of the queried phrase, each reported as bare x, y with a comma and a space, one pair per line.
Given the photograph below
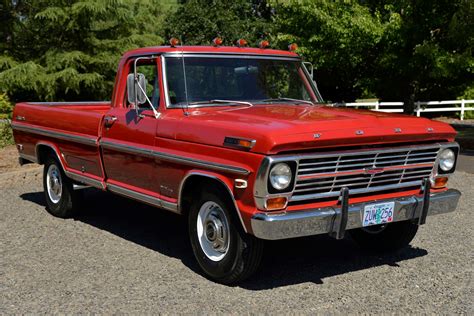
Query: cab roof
209, 50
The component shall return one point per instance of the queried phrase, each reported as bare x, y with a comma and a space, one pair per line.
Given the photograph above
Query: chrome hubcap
213, 231
54, 184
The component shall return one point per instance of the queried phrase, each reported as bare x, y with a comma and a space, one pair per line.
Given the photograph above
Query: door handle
109, 121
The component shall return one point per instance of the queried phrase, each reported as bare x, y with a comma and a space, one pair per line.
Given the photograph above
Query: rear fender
54, 148
83, 179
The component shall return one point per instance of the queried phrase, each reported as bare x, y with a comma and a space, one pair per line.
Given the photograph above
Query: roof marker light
292, 47
217, 42
174, 42
264, 44
241, 42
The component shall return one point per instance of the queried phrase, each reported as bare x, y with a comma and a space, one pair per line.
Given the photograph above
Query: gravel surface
123, 257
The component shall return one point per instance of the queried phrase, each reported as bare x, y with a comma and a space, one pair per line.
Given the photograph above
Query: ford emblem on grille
373, 170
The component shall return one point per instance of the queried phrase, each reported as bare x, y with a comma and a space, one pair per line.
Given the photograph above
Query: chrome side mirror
136, 89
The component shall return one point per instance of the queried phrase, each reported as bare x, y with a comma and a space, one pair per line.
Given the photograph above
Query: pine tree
69, 50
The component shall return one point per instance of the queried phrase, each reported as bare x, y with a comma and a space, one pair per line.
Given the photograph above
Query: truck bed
72, 129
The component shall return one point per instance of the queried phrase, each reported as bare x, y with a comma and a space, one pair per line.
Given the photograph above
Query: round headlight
280, 176
447, 159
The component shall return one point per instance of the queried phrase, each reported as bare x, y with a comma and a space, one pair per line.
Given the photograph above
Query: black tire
69, 201
394, 236
244, 251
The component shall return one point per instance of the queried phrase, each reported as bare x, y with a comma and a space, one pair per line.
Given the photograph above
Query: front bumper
325, 220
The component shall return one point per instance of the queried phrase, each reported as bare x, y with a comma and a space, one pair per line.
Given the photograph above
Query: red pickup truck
238, 141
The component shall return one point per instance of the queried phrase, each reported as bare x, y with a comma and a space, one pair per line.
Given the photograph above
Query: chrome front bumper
326, 220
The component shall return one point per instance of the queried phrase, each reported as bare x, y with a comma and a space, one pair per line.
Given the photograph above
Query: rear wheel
61, 198
386, 237
223, 250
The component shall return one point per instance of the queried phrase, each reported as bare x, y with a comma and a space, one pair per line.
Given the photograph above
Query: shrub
6, 107
6, 134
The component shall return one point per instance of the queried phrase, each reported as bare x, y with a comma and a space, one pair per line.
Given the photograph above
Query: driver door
129, 135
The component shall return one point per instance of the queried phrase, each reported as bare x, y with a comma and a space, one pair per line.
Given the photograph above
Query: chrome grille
362, 172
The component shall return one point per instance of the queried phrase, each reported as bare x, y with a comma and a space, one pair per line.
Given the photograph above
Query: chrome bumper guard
336, 220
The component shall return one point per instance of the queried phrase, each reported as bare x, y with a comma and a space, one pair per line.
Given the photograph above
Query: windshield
235, 78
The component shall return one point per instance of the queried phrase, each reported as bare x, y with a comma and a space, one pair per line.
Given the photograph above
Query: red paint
277, 128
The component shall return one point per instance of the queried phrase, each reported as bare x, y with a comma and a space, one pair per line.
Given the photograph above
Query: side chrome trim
84, 180
183, 182
29, 157
173, 158
282, 225
86, 140
154, 201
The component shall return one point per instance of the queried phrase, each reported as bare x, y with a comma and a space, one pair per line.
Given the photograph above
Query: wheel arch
42, 150
198, 177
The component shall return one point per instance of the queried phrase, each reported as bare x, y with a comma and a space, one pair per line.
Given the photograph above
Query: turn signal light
241, 42
292, 47
440, 182
239, 142
277, 203
174, 42
217, 42
264, 44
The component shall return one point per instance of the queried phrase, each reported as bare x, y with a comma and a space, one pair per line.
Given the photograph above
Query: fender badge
359, 132
429, 129
317, 135
397, 130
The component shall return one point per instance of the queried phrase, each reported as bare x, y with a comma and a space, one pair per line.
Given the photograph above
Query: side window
152, 89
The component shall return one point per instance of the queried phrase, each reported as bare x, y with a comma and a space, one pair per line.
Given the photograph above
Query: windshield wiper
221, 102
288, 99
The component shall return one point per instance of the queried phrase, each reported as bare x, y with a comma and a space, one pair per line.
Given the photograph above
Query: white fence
420, 107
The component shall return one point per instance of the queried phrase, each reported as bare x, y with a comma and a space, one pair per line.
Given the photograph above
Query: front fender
226, 182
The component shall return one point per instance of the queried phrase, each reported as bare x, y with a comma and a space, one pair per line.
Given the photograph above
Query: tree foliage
197, 22
427, 52
392, 50
62, 49
341, 39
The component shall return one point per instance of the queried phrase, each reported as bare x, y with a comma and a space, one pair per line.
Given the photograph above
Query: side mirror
136, 89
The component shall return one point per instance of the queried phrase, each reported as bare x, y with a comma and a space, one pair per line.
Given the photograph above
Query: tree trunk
409, 99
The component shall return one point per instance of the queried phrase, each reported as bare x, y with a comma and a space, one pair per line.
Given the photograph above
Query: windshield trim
179, 54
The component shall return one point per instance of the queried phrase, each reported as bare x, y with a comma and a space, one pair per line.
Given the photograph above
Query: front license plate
376, 214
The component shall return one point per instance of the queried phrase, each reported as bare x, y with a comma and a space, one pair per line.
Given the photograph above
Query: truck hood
281, 128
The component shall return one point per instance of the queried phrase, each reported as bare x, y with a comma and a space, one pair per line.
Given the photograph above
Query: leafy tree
69, 49
197, 22
341, 39
394, 50
426, 53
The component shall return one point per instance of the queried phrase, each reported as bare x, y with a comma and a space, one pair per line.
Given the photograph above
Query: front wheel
61, 198
386, 237
223, 250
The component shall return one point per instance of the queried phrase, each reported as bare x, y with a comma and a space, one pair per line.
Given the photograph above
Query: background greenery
391, 50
